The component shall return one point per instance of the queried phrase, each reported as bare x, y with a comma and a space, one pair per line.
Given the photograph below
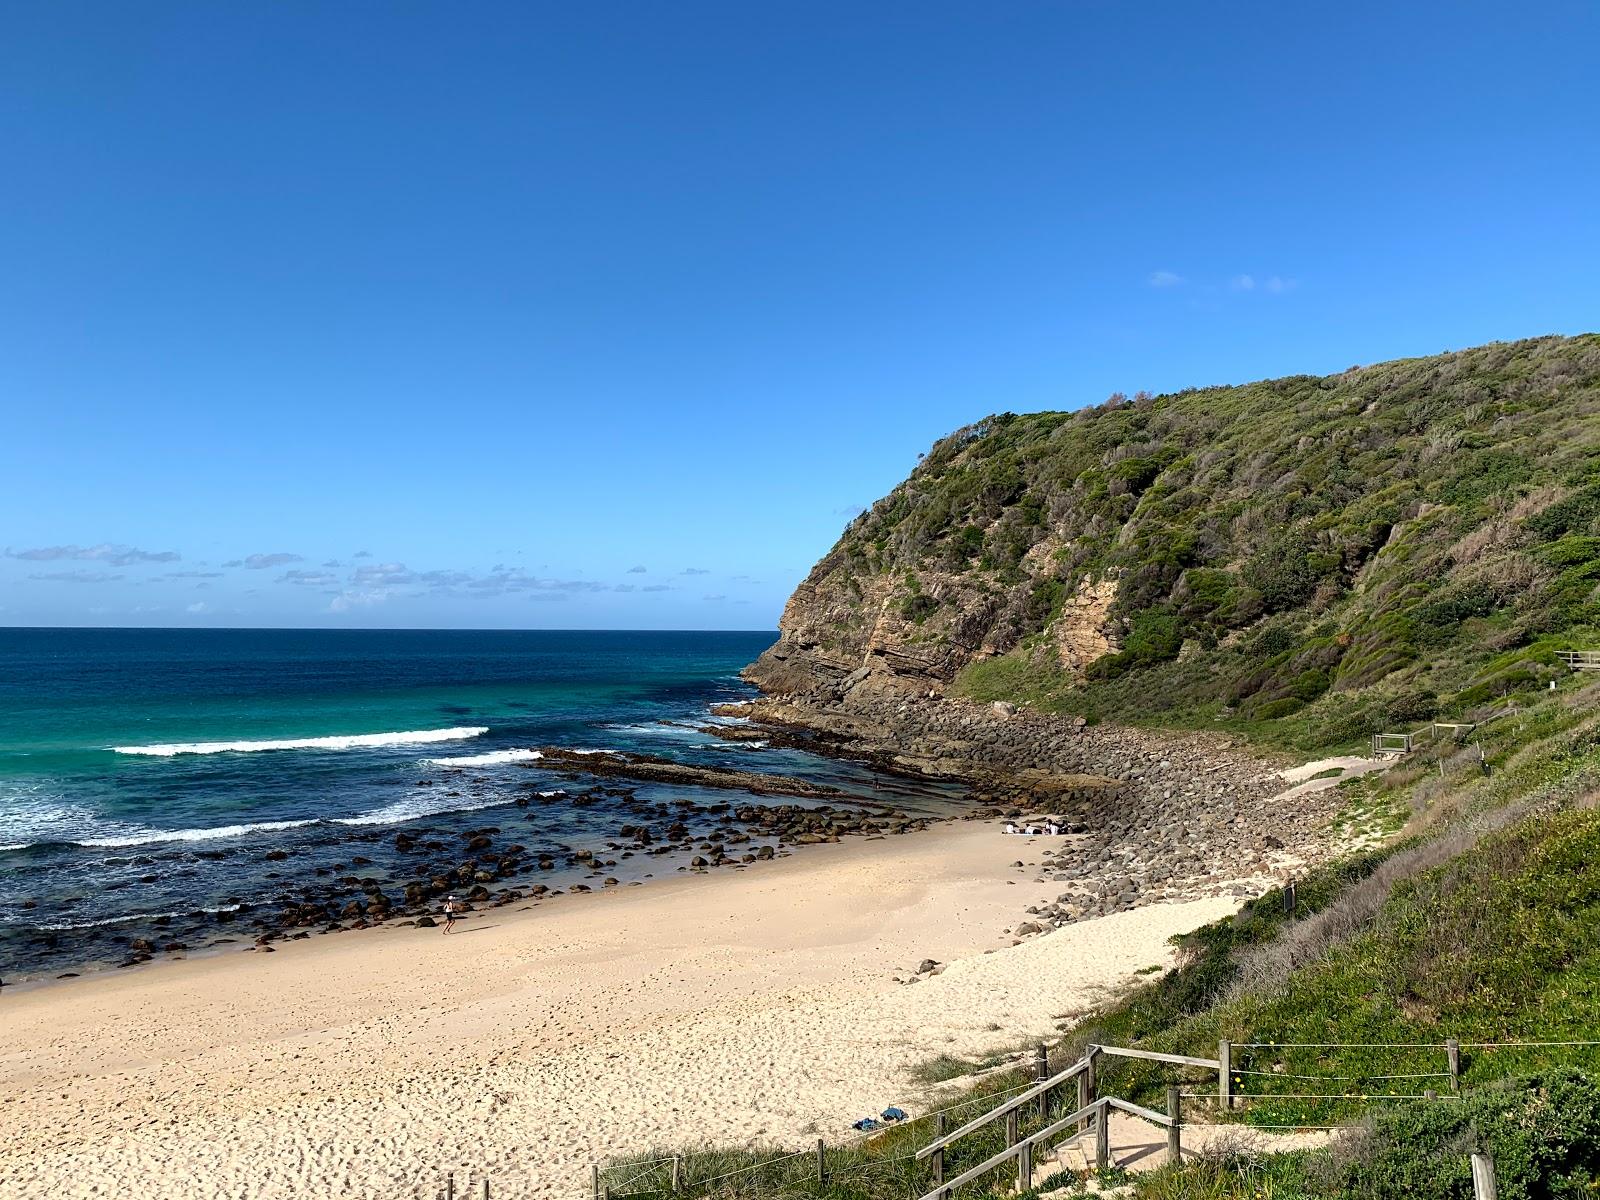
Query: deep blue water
137, 784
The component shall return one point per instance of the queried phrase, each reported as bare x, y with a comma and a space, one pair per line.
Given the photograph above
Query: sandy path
750, 1005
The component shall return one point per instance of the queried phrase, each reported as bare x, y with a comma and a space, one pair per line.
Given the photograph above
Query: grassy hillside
1481, 923
1307, 560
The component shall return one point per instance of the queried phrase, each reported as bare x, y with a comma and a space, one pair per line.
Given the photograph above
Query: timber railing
1091, 1116
1273, 1086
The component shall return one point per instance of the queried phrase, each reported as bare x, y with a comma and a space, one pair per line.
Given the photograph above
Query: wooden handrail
1138, 1110
1010, 1105
1182, 1060
1027, 1143
1076, 1069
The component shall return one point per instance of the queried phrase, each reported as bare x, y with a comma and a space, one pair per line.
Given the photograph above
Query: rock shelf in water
651, 769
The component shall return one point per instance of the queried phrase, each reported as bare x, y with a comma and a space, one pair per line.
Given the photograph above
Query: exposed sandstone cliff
1341, 554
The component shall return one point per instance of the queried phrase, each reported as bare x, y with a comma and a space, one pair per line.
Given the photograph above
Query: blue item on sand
893, 1114
865, 1124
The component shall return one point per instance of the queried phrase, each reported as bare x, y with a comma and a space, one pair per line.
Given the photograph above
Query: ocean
166, 784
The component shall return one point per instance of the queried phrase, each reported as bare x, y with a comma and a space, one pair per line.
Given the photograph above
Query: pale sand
745, 1006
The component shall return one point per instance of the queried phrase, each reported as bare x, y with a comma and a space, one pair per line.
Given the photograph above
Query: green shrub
1543, 1133
1273, 709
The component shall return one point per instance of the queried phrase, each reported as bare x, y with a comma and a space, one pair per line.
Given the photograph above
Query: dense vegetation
1308, 559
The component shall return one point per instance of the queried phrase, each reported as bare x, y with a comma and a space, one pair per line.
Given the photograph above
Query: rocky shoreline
1148, 817
488, 867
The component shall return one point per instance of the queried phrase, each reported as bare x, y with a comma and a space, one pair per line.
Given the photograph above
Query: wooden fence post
1025, 1167
594, 1180
1224, 1074
450, 1186
938, 1155
1086, 1087
1452, 1052
1011, 1129
1483, 1182
1102, 1136
822, 1166
1288, 897
677, 1174
1175, 1127
485, 1189
1041, 1072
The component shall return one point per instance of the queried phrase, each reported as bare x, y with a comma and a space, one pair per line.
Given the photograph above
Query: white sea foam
571, 751
131, 917
492, 759
15, 846
415, 808
413, 737
146, 836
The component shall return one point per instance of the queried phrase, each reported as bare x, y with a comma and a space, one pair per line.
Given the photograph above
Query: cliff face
1262, 549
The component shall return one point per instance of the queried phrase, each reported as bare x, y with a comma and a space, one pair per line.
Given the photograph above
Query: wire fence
889, 1154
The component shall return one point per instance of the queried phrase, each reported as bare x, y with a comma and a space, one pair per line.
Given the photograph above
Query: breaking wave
414, 737
493, 758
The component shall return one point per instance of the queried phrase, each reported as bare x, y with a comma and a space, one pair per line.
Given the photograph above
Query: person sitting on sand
1032, 831
1053, 829
1011, 827
449, 914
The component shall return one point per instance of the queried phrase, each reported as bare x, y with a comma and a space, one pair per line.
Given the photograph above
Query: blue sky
611, 314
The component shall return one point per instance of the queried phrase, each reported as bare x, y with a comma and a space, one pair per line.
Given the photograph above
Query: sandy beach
757, 1005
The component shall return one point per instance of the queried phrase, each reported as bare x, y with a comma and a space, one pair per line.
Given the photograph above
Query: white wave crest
413, 737
144, 837
132, 917
492, 759
415, 808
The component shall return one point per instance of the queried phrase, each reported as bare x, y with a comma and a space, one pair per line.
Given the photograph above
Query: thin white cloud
78, 577
695, 571
199, 607
637, 570
116, 556
347, 600
261, 562
1165, 279
309, 578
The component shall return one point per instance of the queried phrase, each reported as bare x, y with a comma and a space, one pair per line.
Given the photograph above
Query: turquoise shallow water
145, 775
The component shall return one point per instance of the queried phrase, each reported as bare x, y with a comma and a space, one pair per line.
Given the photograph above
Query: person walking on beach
449, 914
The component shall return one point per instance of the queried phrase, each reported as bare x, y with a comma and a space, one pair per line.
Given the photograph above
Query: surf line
413, 737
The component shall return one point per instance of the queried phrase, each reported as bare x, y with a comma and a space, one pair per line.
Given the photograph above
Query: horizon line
367, 629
